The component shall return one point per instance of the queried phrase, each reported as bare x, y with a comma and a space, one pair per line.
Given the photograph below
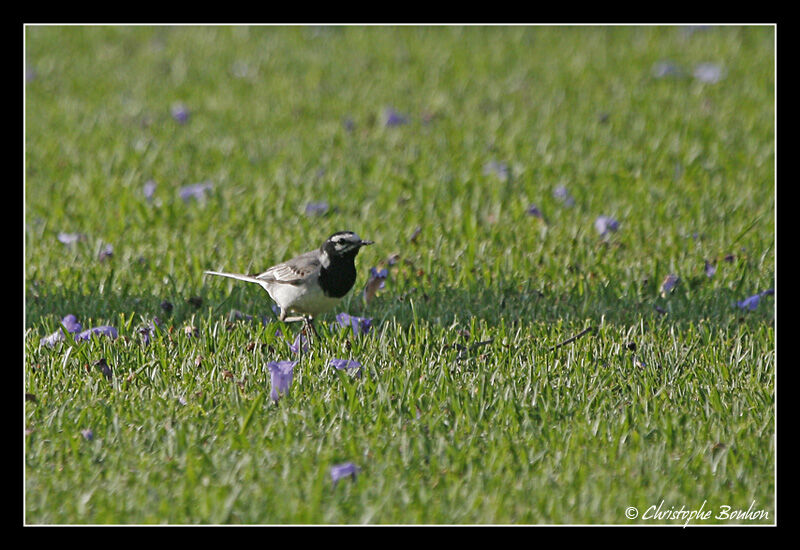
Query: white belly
305, 299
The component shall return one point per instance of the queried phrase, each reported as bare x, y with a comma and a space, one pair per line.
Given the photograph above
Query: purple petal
339, 471
72, 326
87, 434
104, 330
669, 283
300, 342
52, 339
149, 330
563, 195
376, 282
195, 191
709, 269
71, 323
70, 238
346, 365
147, 333
360, 325
534, 211
316, 208
282, 373
751, 303
378, 274
605, 224
180, 113
106, 252
149, 189
393, 118
710, 73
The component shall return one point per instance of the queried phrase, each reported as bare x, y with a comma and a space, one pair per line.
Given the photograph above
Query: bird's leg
284, 319
310, 324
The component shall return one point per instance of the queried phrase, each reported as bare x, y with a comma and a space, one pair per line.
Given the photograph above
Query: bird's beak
365, 243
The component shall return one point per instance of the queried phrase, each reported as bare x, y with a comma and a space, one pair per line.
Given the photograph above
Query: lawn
578, 228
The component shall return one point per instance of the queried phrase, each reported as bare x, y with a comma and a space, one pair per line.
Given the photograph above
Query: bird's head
343, 243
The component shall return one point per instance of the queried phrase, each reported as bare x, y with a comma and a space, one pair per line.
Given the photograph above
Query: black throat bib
339, 277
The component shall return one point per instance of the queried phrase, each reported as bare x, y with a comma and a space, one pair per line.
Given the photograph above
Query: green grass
517, 430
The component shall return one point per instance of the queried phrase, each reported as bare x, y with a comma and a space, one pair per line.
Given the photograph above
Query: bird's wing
294, 271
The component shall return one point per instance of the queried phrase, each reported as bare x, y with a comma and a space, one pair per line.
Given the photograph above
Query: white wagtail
312, 283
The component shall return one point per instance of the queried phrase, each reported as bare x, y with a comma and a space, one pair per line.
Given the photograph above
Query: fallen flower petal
149, 330
360, 325
70, 238
751, 303
339, 471
376, 282
563, 195
300, 343
52, 339
282, 373
346, 365
180, 113
106, 252
317, 208
605, 225
710, 73
104, 330
195, 191
669, 283
393, 118
149, 189
534, 211
70, 323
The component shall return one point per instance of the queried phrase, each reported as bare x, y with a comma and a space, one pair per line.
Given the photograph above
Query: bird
312, 283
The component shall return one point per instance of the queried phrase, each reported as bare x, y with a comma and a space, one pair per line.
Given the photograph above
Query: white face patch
345, 242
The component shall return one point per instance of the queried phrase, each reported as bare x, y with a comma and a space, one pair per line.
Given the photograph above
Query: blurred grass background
491, 121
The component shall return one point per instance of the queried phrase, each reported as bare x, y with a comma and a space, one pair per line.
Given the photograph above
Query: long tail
238, 276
